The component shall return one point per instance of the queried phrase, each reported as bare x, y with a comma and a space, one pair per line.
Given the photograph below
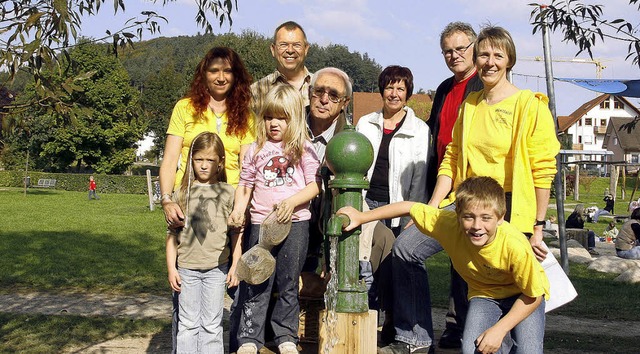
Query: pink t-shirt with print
273, 179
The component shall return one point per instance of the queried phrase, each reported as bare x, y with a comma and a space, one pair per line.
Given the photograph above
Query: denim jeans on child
201, 306
527, 336
412, 298
253, 300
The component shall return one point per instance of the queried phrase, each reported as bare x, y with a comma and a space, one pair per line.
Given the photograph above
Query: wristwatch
539, 223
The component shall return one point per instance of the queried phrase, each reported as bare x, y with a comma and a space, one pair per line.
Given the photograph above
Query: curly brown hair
239, 97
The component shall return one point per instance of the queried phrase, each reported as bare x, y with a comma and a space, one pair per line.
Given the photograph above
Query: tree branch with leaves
37, 35
584, 25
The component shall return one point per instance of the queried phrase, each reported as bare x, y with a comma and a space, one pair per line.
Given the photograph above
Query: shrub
79, 182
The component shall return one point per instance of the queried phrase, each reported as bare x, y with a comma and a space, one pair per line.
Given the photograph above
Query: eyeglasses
459, 50
282, 46
318, 92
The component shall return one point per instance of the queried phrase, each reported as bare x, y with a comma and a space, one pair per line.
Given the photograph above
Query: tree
106, 117
36, 34
584, 25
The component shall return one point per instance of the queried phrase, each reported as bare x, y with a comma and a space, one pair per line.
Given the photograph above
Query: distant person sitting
628, 240
608, 209
611, 230
576, 221
92, 189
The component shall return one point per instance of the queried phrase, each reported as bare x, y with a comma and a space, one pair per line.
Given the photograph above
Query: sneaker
593, 252
450, 339
247, 348
288, 348
404, 348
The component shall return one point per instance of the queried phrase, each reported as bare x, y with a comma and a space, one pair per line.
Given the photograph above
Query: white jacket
408, 151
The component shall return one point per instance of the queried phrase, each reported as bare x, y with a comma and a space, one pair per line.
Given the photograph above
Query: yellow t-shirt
183, 124
503, 268
492, 156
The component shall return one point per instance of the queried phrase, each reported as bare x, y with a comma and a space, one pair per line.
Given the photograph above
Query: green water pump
349, 156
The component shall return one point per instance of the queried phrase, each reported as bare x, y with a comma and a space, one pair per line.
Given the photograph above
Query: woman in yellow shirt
218, 101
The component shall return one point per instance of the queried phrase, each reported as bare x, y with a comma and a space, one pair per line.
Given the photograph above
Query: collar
277, 76
326, 135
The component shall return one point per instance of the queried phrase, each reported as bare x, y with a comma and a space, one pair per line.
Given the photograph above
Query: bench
620, 218
45, 183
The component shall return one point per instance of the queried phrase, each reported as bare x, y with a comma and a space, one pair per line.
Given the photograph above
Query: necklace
218, 118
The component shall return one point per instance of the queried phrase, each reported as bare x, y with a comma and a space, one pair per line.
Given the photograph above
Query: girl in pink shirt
279, 172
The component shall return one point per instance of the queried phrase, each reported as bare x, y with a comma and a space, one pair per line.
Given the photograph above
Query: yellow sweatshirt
534, 148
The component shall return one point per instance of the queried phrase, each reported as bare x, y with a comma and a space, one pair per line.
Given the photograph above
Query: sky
407, 33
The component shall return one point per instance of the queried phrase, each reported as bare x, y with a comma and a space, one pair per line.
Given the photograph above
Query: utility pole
557, 181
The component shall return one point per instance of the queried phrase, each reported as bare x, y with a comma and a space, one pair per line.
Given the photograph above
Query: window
603, 122
617, 104
588, 139
579, 122
634, 158
615, 141
605, 104
579, 139
588, 121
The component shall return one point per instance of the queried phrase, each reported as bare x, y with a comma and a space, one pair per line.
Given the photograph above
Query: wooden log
357, 333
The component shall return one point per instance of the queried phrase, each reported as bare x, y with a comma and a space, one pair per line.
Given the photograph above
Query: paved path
159, 307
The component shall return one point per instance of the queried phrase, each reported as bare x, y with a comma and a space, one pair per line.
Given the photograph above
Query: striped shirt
260, 88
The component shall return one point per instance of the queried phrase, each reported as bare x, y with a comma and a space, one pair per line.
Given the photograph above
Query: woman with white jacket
400, 145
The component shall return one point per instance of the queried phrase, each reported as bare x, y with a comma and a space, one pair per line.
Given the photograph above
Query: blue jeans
527, 336
633, 253
372, 204
201, 303
412, 299
596, 216
253, 300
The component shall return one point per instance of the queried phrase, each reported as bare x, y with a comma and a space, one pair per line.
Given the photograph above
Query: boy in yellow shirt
507, 285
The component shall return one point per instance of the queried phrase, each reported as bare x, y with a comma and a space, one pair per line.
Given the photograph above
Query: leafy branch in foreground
36, 35
583, 25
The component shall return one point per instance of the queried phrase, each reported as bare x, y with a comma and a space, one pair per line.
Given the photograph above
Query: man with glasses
289, 48
412, 319
456, 42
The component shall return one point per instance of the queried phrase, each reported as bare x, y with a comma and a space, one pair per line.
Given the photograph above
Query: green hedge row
79, 182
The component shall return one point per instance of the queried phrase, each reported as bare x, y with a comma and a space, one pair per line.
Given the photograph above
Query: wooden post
613, 182
564, 185
150, 190
357, 333
623, 193
576, 186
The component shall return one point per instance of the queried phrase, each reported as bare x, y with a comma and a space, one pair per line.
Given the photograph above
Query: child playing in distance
92, 189
507, 285
281, 170
201, 248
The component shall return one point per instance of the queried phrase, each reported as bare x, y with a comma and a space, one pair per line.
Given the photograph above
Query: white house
587, 125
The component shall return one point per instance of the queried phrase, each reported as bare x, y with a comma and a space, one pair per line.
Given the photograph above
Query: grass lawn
60, 241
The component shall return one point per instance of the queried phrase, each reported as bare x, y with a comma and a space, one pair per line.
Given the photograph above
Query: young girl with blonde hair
279, 171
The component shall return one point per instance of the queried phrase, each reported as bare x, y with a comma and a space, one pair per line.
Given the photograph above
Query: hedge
79, 182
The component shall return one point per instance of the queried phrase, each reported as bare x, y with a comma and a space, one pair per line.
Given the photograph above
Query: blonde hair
202, 141
284, 100
482, 190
